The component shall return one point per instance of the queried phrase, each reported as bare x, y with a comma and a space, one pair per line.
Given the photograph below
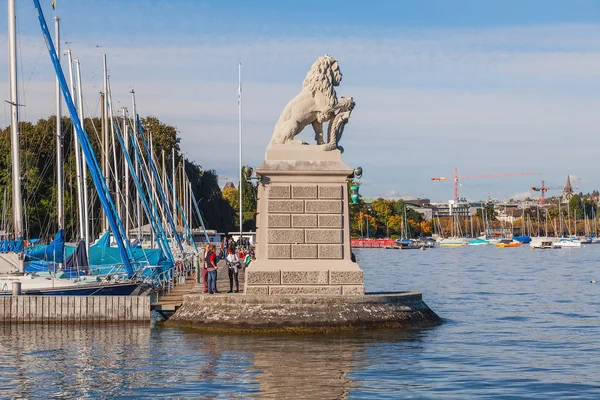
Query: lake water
518, 324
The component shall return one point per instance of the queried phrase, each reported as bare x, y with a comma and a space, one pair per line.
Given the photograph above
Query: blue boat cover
522, 239
51, 252
104, 241
12, 246
78, 258
102, 255
42, 258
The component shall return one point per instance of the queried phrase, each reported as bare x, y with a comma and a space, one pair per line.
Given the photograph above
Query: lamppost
354, 195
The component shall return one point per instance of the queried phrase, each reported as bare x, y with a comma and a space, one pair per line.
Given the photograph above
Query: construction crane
496, 175
543, 189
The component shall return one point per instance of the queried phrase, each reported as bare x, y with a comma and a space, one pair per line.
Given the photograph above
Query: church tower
567, 191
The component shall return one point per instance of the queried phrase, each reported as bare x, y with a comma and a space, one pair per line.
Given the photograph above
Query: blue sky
484, 86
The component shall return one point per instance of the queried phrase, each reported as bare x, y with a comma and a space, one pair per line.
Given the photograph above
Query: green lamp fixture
354, 196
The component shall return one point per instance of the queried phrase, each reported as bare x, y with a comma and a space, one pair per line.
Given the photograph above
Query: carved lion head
323, 76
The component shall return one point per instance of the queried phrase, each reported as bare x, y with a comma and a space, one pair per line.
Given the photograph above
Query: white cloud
521, 195
428, 100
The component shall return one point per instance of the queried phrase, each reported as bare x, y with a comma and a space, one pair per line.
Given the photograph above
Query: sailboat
14, 261
455, 240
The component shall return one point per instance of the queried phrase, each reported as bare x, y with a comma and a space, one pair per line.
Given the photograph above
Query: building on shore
567, 191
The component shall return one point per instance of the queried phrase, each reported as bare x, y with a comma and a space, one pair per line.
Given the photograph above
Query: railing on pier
169, 279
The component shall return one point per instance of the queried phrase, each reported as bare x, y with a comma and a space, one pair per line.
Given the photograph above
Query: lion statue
316, 104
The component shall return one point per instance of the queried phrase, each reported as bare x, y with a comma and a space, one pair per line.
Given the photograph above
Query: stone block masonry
314, 215
303, 239
288, 236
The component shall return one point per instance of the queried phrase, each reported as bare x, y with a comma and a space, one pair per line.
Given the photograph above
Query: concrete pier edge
302, 314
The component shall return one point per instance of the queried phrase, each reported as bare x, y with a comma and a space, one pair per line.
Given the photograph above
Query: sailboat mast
138, 210
77, 156
3, 227
153, 183
240, 141
115, 170
59, 156
86, 220
164, 185
184, 190
105, 136
14, 122
126, 137
174, 185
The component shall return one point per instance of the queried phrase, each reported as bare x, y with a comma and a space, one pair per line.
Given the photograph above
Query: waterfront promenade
222, 280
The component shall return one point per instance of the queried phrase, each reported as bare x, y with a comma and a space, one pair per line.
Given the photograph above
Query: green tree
216, 211
38, 165
575, 207
164, 137
230, 193
383, 211
489, 211
399, 207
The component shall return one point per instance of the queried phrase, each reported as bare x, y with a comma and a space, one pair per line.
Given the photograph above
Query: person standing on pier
211, 264
205, 268
233, 265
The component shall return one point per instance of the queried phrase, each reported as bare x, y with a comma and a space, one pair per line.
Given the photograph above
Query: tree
249, 201
216, 211
38, 166
489, 211
589, 208
395, 224
367, 223
164, 137
383, 210
575, 207
399, 207
230, 193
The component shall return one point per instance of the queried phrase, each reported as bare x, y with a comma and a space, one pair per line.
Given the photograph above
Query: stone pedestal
303, 235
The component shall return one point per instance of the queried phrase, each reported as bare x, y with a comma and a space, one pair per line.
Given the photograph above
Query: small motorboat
478, 242
508, 243
570, 242
452, 242
545, 243
549, 245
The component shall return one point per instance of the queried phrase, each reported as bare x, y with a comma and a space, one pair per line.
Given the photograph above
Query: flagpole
240, 139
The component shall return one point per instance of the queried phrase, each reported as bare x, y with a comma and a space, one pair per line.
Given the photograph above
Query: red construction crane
496, 175
543, 189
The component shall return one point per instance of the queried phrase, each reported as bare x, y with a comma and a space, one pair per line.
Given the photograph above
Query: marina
158, 240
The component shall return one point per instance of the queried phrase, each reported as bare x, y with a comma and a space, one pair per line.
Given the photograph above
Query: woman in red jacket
211, 267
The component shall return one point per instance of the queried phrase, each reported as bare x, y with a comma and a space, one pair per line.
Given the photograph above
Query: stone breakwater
303, 314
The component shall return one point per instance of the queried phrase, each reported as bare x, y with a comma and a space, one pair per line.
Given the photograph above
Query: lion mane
315, 104
320, 80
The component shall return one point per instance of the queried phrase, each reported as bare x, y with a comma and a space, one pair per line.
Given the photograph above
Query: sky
483, 86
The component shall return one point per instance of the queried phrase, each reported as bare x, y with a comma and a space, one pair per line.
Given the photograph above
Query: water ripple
517, 325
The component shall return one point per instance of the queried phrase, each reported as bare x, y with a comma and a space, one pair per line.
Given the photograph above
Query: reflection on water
518, 324
138, 361
69, 361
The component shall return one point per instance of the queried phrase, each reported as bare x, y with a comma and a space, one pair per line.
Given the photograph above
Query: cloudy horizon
481, 95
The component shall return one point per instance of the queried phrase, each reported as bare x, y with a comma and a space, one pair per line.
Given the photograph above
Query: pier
73, 309
190, 283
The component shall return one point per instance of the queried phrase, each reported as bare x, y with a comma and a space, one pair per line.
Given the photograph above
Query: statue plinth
303, 235
303, 278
